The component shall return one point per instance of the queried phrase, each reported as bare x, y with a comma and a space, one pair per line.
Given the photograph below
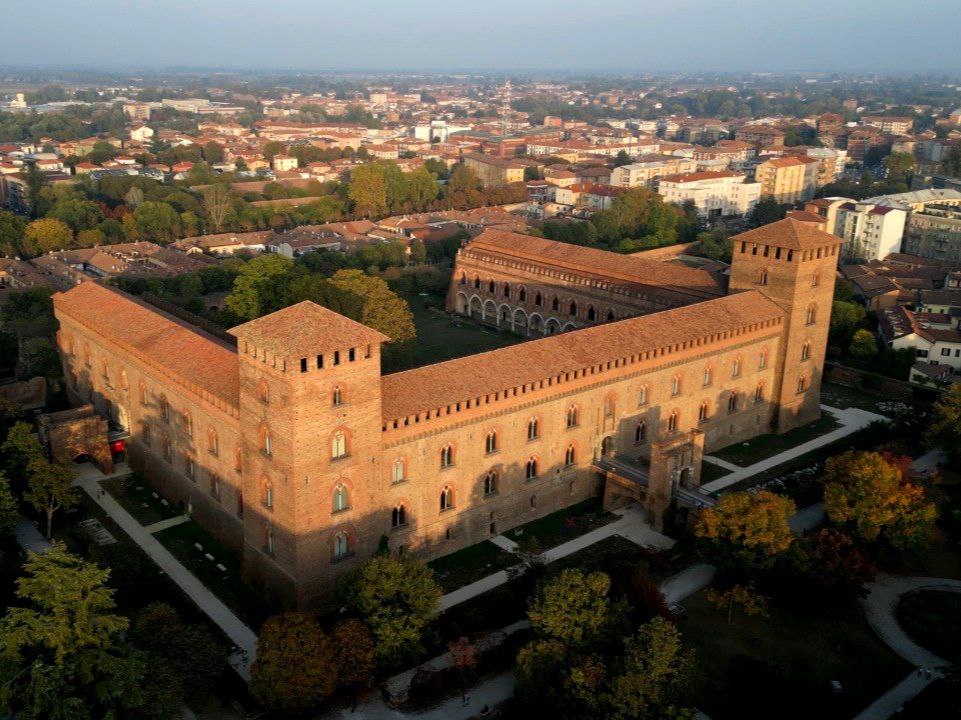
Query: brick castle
293, 447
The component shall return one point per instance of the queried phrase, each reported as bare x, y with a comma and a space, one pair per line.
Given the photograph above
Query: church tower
310, 419
795, 265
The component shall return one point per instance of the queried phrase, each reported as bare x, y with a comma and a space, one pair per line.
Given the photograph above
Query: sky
558, 35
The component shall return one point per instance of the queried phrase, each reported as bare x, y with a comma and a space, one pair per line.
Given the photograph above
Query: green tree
157, 221
368, 191
295, 669
9, 511
259, 288
766, 211
749, 528
397, 599
899, 166
866, 492
50, 488
863, 345
370, 301
194, 654
945, 429
62, 654
77, 213
654, 674
20, 448
422, 188
46, 234
11, 233
573, 607
845, 318
214, 152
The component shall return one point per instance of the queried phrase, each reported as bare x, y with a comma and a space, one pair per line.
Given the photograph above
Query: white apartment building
714, 194
646, 171
933, 338
870, 232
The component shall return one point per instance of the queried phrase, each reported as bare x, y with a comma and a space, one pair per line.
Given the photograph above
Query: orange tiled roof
184, 351
609, 265
303, 329
788, 233
446, 383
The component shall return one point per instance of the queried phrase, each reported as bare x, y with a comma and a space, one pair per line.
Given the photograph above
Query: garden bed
470, 564
559, 527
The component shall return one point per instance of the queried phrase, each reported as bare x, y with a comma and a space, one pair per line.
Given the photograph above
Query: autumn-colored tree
832, 566
750, 528
354, 652
295, 669
945, 429
863, 345
870, 495
46, 234
368, 191
90, 238
573, 607
9, 512
750, 601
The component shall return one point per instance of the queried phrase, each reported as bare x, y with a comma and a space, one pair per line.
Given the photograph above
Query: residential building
494, 171
787, 179
714, 194
646, 170
870, 231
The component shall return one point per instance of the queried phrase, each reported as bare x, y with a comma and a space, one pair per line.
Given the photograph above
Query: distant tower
794, 265
505, 108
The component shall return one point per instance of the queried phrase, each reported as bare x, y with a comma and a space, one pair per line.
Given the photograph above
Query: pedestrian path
632, 525
242, 636
505, 543
168, 523
851, 419
30, 538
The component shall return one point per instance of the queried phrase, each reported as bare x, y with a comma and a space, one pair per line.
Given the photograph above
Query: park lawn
470, 564
782, 665
710, 472
561, 526
764, 446
444, 337
933, 620
844, 397
137, 497
251, 606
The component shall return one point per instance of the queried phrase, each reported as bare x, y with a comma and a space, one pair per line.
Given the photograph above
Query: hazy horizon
605, 36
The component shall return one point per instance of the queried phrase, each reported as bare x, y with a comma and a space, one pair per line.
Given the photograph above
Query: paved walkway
168, 523
632, 525
807, 518
881, 609
851, 419
505, 543
241, 635
687, 582
30, 538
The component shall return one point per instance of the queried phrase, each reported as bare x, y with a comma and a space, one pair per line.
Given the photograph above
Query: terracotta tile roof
446, 383
790, 234
702, 175
304, 329
179, 349
609, 265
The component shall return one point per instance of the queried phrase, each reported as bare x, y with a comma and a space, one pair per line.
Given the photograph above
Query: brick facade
294, 448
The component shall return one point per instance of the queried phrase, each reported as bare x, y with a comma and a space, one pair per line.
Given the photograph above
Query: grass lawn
139, 499
765, 446
782, 666
933, 620
470, 564
940, 700
844, 397
561, 526
228, 585
443, 337
710, 471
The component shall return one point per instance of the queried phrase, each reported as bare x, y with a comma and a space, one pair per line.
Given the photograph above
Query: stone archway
490, 311
461, 304
504, 316
552, 327
519, 321
476, 308
536, 323
77, 433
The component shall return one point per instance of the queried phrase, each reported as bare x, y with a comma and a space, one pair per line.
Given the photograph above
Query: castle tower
795, 265
310, 419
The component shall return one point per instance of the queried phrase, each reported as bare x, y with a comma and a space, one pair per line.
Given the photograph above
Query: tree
751, 529
90, 238
77, 213
9, 512
898, 167
295, 669
397, 599
11, 233
134, 196
20, 449
750, 601
945, 428
258, 287
655, 671
195, 655
217, 203
863, 345
50, 488
46, 234
354, 653
63, 656
157, 221
368, 190
832, 566
622, 158
370, 301
214, 152
845, 318
422, 188
766, 211
572, 607
869, 494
